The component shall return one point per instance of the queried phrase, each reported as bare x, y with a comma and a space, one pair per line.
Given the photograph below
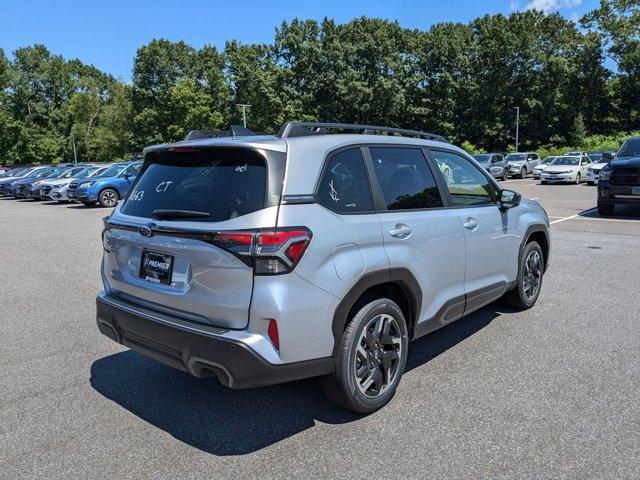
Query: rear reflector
273, 333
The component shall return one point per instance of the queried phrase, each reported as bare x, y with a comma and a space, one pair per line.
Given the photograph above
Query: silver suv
314, 252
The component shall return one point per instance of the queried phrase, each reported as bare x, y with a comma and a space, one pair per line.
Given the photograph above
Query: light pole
517, 126
73, 142
244, 107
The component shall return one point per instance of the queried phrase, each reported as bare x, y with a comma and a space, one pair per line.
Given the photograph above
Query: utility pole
244, 112
517, 126
73, 142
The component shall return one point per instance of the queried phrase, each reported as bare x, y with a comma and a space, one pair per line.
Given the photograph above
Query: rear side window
345, 186
405, 178
206, 186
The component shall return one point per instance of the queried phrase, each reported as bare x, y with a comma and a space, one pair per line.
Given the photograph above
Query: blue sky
107, 33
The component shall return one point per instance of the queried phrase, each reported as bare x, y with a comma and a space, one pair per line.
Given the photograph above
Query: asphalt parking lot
548, 393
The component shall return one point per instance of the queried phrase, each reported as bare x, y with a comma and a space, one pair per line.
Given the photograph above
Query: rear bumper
200, 350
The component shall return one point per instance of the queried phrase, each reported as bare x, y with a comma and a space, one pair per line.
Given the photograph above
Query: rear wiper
177, 214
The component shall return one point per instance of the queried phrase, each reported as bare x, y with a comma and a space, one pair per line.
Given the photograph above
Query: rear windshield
205, 186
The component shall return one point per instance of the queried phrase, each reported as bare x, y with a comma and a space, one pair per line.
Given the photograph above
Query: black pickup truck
619, 181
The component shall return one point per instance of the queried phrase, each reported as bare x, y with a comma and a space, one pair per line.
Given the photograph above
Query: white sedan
566, 169
541, 166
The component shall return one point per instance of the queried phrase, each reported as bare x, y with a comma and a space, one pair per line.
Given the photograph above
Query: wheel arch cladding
539, 234
397, 284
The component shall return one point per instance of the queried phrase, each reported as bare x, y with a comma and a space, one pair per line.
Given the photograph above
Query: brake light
270, 252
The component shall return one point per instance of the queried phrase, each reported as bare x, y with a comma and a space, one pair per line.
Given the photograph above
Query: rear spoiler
234, 131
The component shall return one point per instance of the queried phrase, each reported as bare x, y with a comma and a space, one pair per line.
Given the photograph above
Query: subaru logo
145, 231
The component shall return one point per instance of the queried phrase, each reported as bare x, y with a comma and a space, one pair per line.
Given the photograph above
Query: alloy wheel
109, 198
378, 354
532, 275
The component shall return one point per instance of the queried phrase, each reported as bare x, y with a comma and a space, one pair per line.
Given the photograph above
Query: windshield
97, 172
570, 154
69, 173
547, 161
596, 157
516, 157
482, 158
44, 172
201, 186
112, 171
84, 172
55, 173
630, 148
567, 161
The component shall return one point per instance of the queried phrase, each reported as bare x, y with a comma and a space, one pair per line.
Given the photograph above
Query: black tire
591, 184
606, 209
578, 178
518, 297
342, 386
88, 204
543, 182
505, 175
523, 173
108, 198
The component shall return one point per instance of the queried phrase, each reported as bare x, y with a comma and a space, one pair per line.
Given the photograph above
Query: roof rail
234, 131
301, 129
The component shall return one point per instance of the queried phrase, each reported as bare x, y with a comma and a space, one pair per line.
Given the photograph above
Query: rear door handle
401, 231
471, 223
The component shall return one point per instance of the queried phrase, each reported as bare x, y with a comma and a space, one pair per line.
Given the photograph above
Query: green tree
618, 22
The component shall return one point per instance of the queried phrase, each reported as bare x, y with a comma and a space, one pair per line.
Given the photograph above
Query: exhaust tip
204, 369
109, 331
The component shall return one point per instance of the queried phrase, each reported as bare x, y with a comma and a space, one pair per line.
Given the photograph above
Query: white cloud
513, 6
551, 5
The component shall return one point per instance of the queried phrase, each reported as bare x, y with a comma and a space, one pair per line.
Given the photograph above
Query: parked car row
85, 183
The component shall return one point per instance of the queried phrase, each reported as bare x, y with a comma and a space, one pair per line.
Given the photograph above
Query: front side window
405, 178
345, 186
467, 185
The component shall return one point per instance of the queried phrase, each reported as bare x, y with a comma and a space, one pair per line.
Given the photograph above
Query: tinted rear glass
224, 185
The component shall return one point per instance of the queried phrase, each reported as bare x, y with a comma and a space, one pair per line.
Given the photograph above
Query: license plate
156, 267
70, 194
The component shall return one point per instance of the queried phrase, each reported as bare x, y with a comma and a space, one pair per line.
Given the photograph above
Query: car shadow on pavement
217, 420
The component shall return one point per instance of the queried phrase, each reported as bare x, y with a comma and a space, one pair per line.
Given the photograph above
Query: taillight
270, 252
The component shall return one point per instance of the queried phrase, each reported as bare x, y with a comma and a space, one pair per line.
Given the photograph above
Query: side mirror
509, 199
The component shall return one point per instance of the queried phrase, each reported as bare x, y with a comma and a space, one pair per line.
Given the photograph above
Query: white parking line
530, 184
573, 216
535, 198
600, 219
